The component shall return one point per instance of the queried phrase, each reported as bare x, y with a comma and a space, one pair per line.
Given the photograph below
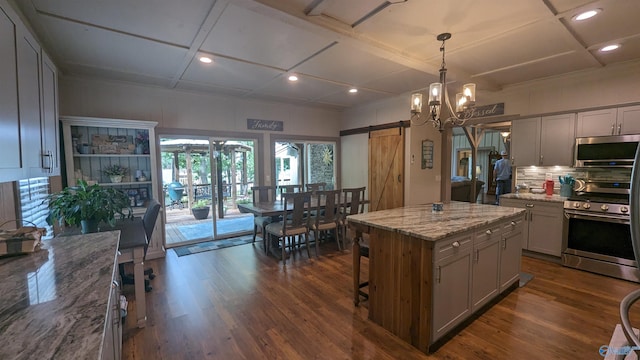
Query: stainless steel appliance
599, 235
606, 151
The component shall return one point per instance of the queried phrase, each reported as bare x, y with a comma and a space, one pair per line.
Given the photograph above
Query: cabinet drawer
513, 225
454, 246
488, 233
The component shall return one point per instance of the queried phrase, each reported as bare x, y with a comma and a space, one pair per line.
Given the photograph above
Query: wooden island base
428, 278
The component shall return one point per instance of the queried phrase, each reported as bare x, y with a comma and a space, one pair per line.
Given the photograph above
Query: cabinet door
520, 204
29, 89
596, 123
545, 228
525, 142
510, 253
557, 138
451, 293
485, 271
629, 120
49, 127
11, 159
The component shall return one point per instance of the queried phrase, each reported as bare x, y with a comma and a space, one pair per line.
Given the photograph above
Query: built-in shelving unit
93, 144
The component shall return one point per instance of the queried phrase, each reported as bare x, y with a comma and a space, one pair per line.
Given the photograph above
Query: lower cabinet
486, 265
510, 252
545, 225
451, 295
471, 270
112, 341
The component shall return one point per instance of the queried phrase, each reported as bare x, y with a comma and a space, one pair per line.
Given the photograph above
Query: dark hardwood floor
238, 303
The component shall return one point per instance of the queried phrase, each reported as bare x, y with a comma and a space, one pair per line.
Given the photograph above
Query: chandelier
438, 95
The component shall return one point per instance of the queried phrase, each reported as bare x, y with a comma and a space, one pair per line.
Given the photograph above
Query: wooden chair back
296, 212
353, 201
263, 194
314, 187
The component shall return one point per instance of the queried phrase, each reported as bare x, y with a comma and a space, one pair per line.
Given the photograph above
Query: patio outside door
213, 172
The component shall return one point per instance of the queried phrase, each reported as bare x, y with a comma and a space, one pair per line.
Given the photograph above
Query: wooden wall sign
488, 110
268, 125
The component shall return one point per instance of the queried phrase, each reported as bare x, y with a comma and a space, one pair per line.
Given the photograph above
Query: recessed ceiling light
353, 90
609, 48
205, 59
587, 15
293, 77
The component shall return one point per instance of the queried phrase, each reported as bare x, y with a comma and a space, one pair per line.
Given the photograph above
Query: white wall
421, 185
176, 109
606, 86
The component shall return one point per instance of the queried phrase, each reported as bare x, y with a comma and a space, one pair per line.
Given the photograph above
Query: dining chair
262, 194
287, 189
353, 203
326, 217
320, 186
295, 215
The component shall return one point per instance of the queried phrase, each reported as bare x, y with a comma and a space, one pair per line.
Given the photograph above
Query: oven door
600, 237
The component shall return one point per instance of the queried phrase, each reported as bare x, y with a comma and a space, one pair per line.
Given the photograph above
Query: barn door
386, 169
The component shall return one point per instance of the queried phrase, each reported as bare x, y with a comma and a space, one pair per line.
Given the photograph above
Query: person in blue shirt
502, 176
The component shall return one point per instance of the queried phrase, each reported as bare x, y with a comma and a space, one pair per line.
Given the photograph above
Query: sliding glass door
204, 179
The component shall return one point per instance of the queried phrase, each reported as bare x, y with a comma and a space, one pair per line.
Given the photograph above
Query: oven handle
569, 214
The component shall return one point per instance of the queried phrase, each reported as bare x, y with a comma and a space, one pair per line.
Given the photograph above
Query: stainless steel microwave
606, 151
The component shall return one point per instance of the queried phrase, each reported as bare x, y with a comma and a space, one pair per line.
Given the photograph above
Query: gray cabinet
612, 121
486, 265
597, 122
28, 103
112, 340
629, 120
50, 136
452, 280
545, 225
525, 142
543, 141
510, 252
11, 159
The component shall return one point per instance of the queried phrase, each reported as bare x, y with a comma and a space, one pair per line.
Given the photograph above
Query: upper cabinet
28, 103
605, 122
11, 161
543, 141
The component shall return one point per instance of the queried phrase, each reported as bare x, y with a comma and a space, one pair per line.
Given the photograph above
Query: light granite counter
419, 221
535, 197
53, 303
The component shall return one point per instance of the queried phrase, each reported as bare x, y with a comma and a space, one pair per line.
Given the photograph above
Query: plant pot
89, 226
115, 178
200, 213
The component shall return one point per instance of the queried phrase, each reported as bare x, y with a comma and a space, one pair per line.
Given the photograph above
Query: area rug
204, 229
213, 245
525, 278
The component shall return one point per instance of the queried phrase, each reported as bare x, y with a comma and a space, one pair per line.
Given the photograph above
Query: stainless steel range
599, 235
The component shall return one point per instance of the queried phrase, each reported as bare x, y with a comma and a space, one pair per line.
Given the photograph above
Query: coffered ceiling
383, 48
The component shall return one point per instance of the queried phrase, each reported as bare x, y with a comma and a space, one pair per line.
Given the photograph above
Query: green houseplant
87, 206
200, 209
115, 172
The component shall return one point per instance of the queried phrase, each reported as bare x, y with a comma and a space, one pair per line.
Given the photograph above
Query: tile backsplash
534, 176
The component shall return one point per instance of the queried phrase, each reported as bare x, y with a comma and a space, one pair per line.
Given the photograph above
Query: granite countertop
421, 222
534, 197
54, 302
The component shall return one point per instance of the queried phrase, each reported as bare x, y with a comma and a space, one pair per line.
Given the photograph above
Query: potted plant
200, 209
87, 206
115, 172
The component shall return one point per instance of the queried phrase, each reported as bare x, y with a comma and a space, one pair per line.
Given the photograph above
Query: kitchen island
57, 302
430, 271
